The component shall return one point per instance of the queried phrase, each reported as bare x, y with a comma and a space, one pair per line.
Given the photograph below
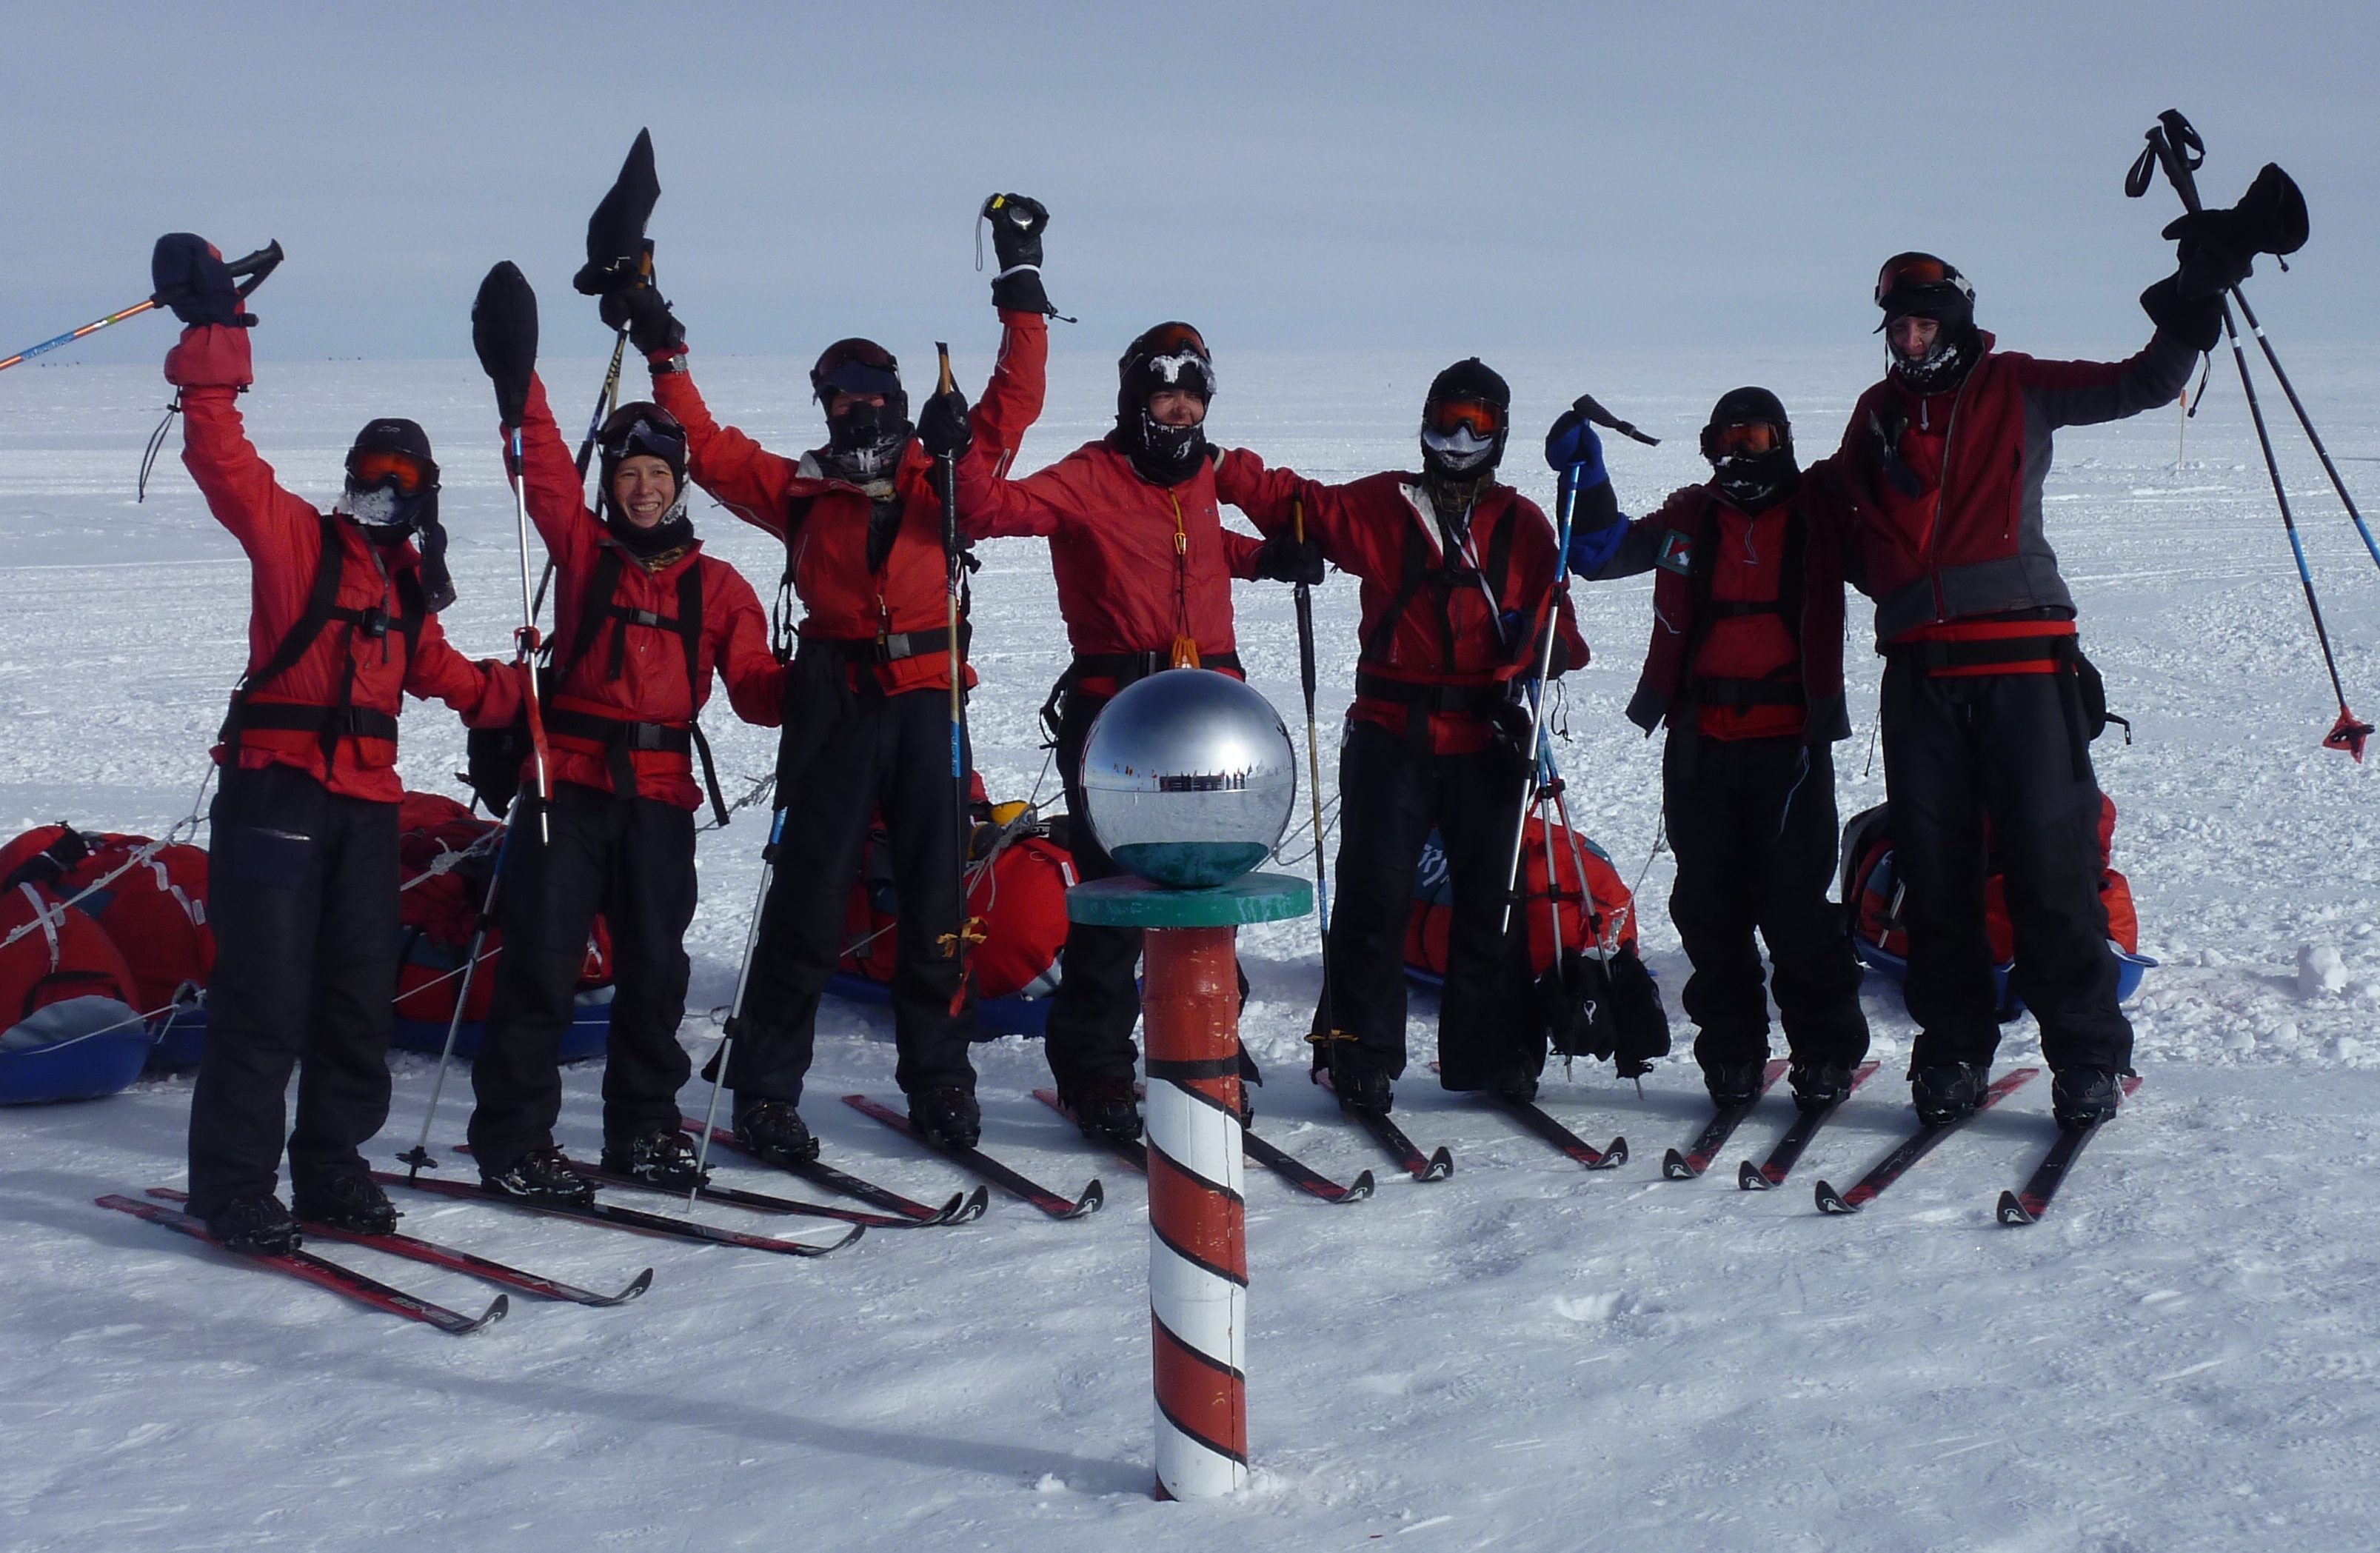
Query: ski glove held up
191, 279
1572, 443
1017, 221
2196, 321
503, 331
1283, 558
652, 328
942, 429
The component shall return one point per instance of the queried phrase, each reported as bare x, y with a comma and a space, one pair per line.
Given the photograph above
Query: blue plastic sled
69, 1066
994, 1016
182, 1034
2129, 968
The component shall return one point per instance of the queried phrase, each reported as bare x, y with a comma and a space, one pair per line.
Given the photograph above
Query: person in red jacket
1983, 710
1143, 568
1458, 577
642, 618
302, 870
1746, 670
868, 721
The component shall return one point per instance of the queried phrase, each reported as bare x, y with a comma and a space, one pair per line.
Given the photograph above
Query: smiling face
843, 401
1176, 406
643, 488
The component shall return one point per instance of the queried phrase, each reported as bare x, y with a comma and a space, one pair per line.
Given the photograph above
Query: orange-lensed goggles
1744, 437
1172, 339
386, 467
1917, 270
1483, 419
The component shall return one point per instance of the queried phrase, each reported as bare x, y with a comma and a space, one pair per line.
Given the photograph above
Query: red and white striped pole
1198, 1218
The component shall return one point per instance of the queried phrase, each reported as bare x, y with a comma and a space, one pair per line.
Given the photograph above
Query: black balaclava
1919, 285
379, 507
635, 429
1169, 355
1457, 464
863, 443
1752, 480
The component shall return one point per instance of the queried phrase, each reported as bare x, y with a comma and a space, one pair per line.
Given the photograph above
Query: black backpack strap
1498, 571
1416, 575
329, 563
782, 615
594, 608
689, 630
1699, 568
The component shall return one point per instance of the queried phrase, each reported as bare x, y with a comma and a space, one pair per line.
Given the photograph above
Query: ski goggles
856, 367
647, 436
1919, 272
1482, 419
1744, 437
406, 474
1174, 355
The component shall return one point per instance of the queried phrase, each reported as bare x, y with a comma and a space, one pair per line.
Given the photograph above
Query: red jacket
282, 536
1137, 564
842, 598
1950, 525
652, 685
1421, 625
1757, 673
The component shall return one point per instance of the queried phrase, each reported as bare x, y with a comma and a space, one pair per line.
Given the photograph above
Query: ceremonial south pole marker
1189, 778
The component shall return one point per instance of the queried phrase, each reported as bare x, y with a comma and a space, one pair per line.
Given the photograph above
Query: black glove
1017, 221
1285, 558
2217, 250
190, 278
2197, 323
651, 326
1513, 739
1640, 1021
503, 331
942, 426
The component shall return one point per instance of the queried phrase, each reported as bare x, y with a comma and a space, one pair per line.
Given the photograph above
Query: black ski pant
1088, 1037
1391, 797
888, 756
633, 860
2009, 747
1752, 824
301, 892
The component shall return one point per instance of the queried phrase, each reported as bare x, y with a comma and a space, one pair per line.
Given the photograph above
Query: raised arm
504, 332
1013, 398
211, 366
744, 477
2086, 393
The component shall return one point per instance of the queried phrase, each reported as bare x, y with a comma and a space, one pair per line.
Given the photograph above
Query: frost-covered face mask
1458, 450
380, 508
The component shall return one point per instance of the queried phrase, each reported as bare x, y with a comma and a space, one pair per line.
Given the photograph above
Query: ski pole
735, 1009
255, 266
1555, 595
420, 1157
607, 399
528, 639
1313, 759
2171, 142
954, 573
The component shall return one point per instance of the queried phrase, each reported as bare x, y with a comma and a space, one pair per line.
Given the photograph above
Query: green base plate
1136, 902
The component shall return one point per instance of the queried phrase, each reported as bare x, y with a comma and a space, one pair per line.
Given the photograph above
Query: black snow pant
301, 892
2009, 747
633, 860
1391, 797
886, 756
1752, 824
1089, 1035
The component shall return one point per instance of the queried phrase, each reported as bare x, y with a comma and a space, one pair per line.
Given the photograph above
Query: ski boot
1817, 1086
2084, 1096
1360, 1086
947, 1117
663, 1157
774, 1131
1105, 1108
1518, 1089
256, 1226
352, 1202
541, 1175
1732, 1084
1947, 1092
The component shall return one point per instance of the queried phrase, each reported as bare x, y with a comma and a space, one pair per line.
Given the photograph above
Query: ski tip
1614, 1155
1832, 1201
1442, 1165
1094, 1197
974, 1206
2012, 1210
1674, 1167
636, 1286
1359, 1189
856, 1231
1749, 1179
495, 1312
961, 1208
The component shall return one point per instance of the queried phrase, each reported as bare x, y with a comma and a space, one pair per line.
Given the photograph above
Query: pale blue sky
1467, 177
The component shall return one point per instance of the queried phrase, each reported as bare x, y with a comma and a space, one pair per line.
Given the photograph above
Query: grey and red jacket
1747, 611
1948, 486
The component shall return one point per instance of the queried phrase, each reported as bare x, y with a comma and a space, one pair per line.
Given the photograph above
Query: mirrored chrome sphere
1189, 777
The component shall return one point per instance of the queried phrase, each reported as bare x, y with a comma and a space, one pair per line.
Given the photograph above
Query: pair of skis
1307, 1179
2027, 1207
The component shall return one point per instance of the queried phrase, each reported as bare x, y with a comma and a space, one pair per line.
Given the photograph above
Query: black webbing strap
892, 648
332, 722
1933, 658
689, 625
621, 737
1125, 668
1467, 701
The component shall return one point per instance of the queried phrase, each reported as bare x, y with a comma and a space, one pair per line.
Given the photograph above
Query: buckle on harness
372, 621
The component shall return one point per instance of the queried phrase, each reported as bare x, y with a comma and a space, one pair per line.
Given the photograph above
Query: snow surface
1523, 1357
